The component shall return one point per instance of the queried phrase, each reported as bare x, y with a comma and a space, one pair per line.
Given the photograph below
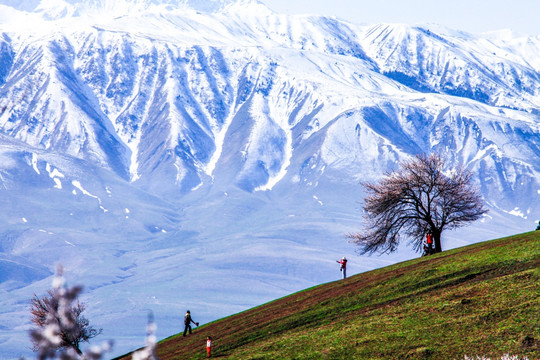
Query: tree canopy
59, 321
416, 199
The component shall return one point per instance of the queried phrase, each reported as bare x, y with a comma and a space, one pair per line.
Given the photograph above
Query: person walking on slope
187, 322
343, 266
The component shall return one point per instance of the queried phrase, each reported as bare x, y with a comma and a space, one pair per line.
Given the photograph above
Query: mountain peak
55, 9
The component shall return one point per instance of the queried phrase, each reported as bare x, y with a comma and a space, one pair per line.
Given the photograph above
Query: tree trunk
437, 241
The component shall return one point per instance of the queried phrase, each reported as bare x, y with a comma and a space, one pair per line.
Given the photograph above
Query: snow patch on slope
77, 184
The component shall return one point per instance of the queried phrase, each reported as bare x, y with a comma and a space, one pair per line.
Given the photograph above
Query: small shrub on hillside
60, 326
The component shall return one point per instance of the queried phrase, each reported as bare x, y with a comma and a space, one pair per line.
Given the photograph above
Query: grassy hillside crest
482, 299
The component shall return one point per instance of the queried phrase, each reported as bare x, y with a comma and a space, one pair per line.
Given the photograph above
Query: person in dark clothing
187, 323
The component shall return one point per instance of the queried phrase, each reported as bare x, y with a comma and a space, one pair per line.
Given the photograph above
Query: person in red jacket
429, 243
343, 266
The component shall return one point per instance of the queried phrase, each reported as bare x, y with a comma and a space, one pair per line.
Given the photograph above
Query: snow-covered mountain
207, 154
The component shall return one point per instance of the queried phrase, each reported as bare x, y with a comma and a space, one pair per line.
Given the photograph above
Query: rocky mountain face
217, 147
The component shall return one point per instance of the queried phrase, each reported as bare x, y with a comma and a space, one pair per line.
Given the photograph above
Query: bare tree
416, 199
60, 324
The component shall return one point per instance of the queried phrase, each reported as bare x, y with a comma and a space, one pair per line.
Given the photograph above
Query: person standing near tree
343, 267
429, 242
187, 323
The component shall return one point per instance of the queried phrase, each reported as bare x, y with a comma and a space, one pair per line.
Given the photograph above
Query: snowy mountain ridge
196, 158
55, 9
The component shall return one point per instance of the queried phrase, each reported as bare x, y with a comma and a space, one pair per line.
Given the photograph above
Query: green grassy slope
482, 299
